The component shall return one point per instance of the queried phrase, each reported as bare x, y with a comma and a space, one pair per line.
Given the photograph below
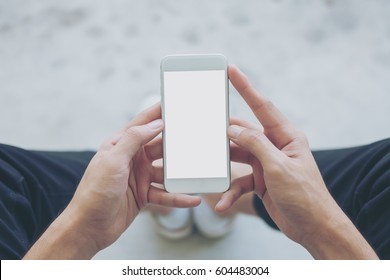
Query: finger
255, 142
245, 123
267, 114
157, 175
154, 149
161, 197
238, 154
146, 116
275, 124
238, 187
136, 136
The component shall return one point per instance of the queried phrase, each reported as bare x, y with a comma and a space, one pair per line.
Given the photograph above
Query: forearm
62, 240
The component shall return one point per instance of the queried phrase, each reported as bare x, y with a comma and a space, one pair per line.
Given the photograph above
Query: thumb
255, 142
134, 137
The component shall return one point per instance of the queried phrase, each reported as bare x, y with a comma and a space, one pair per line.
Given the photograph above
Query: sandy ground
72, 72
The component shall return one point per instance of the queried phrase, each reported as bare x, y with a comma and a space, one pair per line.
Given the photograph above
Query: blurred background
72, 72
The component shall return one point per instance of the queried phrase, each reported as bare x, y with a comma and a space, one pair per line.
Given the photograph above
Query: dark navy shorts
35, 187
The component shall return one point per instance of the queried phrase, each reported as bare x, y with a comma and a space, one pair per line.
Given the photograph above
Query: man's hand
286, 178
114, 188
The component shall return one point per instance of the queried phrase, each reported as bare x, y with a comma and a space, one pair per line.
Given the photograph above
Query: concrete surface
72, 72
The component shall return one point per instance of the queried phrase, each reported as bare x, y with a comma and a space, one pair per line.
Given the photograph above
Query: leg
359, 180
34, 189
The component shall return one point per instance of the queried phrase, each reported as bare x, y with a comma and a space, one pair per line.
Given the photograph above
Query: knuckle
133, 133
174, 201
276, 168
253, 137
238, 193
301, 138
264, 105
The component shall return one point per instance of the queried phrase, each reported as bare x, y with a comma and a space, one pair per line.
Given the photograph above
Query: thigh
34, 189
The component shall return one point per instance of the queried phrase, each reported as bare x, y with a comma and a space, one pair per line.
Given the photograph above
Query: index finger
150, 114
276, 126
146, 116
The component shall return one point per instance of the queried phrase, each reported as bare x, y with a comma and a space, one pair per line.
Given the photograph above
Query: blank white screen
195, 124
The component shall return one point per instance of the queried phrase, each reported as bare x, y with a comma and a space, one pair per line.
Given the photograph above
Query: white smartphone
195, 110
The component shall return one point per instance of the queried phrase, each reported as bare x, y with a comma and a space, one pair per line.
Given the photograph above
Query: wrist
338, 238
63, 240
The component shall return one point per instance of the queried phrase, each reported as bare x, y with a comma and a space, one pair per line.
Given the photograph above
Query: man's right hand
286, 178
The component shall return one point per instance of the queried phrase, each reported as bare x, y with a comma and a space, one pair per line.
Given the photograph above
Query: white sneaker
177, 224
209, 223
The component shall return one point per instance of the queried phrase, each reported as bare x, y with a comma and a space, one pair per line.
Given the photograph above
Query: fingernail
234, 131
220, 207
156, 124
231, 65
218, 204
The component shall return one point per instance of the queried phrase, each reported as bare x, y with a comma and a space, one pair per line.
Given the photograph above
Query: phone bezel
196, 62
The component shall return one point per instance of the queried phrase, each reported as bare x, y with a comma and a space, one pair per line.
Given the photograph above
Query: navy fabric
34, 189
359, 180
